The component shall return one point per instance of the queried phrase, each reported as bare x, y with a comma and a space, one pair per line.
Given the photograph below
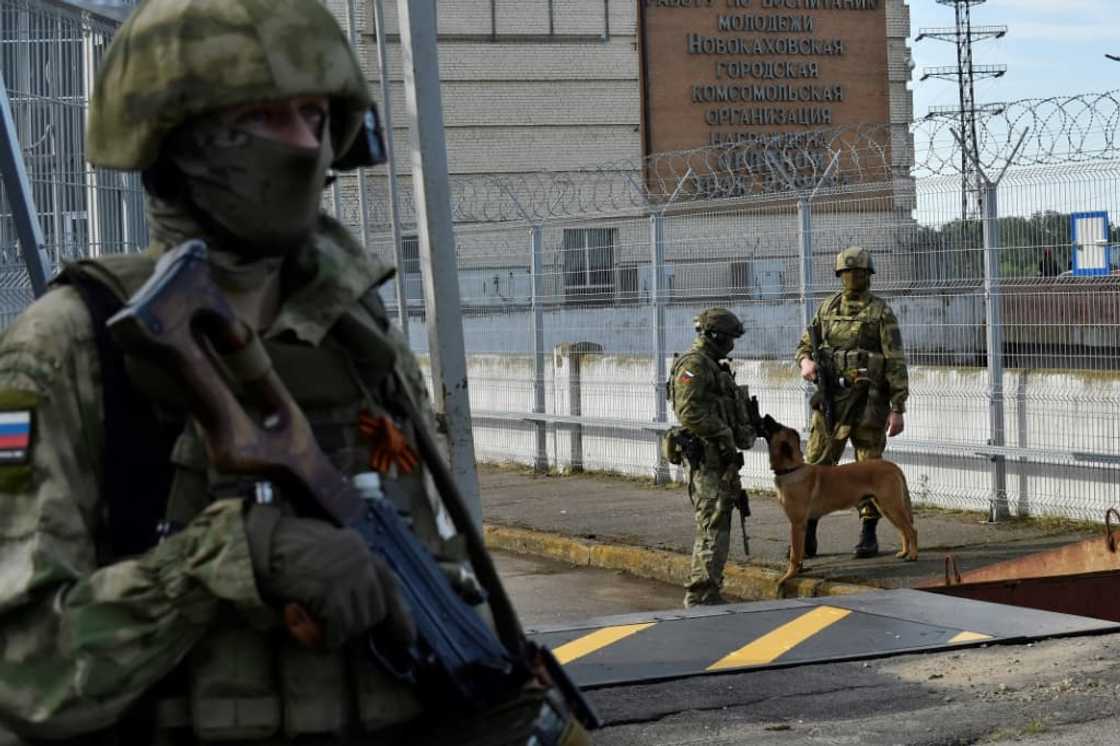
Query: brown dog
811, 491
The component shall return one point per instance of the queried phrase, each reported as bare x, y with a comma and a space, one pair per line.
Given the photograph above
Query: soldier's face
856, 280
723, 343
257, 171
295, 121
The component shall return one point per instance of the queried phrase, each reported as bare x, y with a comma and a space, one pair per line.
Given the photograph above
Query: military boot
868, 543
811, 538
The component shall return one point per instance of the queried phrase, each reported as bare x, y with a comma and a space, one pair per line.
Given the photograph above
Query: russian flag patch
15, 437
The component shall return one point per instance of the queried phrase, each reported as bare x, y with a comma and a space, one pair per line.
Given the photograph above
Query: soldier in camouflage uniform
703, 397
140, 588
860, 333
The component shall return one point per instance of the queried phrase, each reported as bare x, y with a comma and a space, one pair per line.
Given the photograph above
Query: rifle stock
180, 320
827, 381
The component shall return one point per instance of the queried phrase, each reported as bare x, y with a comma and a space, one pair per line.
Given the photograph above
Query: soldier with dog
859, 339
706, 400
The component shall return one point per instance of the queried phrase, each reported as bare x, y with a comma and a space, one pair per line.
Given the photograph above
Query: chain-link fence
49, 52
578, 287
577, 290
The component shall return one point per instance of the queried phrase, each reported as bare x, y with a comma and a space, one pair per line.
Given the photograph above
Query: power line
965, 73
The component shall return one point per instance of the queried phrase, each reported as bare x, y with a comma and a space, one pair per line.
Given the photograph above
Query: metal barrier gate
639, 648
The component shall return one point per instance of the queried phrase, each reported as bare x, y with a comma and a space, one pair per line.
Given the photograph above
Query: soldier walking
703, 391
859, 340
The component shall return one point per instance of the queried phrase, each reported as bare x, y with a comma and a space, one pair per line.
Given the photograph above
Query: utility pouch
856, 402
876, 367
671, 446
233, 686
314, 689
743, 431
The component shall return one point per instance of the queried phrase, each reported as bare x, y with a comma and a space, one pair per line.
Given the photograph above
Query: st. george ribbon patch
15, 437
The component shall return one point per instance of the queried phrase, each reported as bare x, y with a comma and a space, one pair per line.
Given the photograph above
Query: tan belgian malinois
810, 491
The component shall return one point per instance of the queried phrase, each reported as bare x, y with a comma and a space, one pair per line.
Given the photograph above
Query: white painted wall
1054, 411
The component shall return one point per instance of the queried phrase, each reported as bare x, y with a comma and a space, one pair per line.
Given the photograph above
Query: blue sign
1092, 254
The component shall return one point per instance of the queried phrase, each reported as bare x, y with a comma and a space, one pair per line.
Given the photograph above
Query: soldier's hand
895, 424
808, 369
330, 571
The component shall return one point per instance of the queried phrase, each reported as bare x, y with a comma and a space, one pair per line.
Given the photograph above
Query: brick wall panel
518, 17
616, 60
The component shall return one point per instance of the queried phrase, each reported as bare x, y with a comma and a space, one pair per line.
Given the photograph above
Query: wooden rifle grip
302, 627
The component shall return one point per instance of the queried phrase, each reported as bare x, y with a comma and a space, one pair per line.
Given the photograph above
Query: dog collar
784, 472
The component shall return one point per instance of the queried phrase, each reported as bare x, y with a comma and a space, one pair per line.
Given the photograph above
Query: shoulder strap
136, 454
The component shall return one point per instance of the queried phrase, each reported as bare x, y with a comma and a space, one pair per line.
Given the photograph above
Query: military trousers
868, 440
714, 491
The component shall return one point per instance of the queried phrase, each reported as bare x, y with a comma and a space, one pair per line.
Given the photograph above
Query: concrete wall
1059, 412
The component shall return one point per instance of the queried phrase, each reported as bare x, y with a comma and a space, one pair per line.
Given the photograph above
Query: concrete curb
747, 582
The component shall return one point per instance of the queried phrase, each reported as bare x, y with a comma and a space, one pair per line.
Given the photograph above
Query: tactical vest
724, 392
240, 683
854, 342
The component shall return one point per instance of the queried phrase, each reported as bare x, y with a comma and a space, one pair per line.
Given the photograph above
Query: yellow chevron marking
597, 640
774, 644
969, 637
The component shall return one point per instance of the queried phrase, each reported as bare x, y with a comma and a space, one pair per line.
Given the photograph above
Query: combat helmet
854, 257
174, 59
719, 321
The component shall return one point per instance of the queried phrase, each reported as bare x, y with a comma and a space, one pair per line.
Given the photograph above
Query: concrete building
553, 106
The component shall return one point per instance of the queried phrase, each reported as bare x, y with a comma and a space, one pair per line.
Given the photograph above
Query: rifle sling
136, 463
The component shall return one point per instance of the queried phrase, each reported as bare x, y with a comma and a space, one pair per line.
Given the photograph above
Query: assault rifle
828, 382
181, 321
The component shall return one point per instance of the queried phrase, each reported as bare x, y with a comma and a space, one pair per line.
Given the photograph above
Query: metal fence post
805, 244
360, 174
658, 297
998, 508
536, 268
391, 178
20, 199
438, 261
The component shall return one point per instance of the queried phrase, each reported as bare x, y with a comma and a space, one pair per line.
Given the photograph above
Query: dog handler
703, 396
860, 333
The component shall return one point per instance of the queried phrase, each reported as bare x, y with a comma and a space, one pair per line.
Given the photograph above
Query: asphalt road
1052, 692
1062, 692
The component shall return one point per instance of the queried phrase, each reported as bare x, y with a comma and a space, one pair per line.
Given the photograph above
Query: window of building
410, 255
740, 280
629, 282
588, 260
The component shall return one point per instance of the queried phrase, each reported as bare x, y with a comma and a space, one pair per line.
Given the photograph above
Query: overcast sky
1052, 48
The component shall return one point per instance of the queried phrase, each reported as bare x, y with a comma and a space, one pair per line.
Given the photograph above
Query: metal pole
540, 462
18, 186
94, 231
805, 243
420, 60
998, 510
657, 297
363, 197
394, 195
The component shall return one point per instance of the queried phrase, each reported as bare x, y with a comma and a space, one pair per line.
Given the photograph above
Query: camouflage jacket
866, 327
79, 641
702, 393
